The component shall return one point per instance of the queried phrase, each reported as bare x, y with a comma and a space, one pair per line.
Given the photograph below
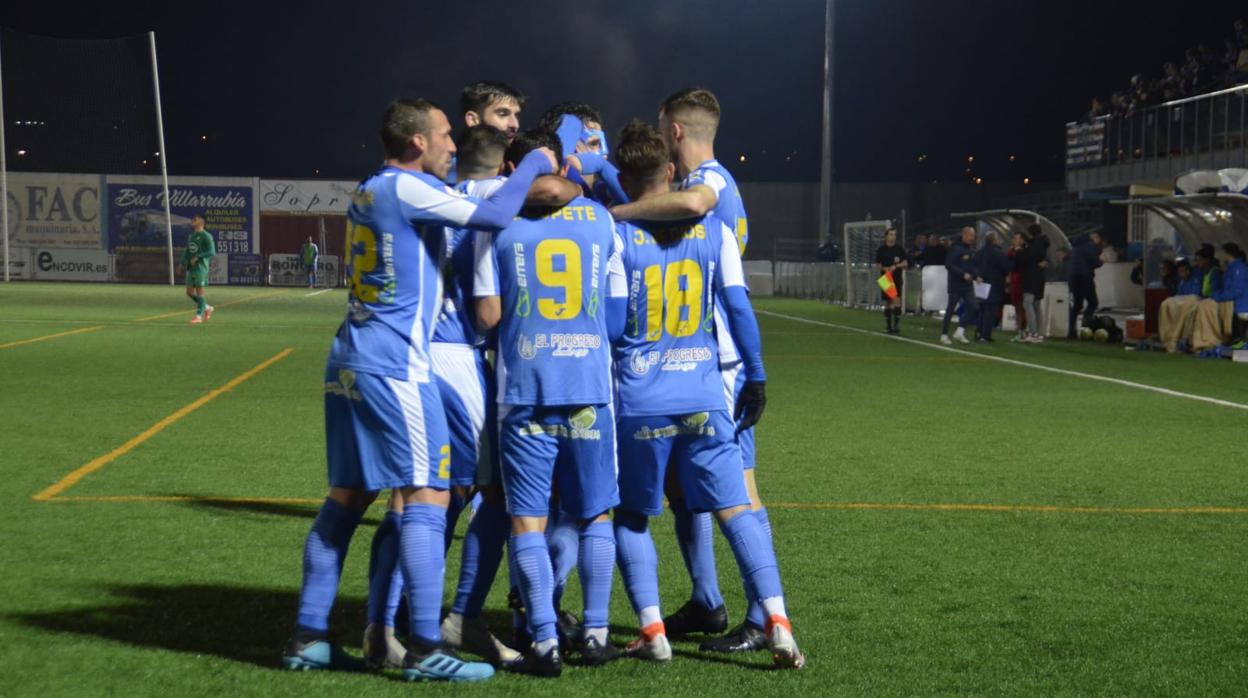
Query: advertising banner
136, 211
71, 265
49, 210
309, 197
246, 270
287, 270
218, 270
19, 263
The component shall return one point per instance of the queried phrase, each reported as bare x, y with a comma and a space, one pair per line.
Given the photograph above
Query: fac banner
136, 211
51, 210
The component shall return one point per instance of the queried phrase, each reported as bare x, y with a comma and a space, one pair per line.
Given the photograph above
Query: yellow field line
1022, 508
847, 506
256, 296
71, 479
46, 337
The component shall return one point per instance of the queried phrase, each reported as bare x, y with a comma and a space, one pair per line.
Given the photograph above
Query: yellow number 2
361, 259
444, 463
568, 279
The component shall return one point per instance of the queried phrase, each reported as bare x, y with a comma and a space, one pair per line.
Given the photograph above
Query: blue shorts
701, 449
568, 448
734, 380
382, 432
459, 370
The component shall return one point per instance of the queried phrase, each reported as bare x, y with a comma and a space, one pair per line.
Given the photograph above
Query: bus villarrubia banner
135, 218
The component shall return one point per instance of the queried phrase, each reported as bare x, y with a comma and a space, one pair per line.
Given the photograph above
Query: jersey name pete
575, 213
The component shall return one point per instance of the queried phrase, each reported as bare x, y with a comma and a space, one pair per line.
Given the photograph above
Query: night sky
296, 90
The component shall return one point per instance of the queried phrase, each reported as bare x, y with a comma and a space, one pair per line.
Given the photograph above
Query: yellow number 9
569, 279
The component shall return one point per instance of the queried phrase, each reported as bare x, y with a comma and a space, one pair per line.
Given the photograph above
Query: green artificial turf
1077, 584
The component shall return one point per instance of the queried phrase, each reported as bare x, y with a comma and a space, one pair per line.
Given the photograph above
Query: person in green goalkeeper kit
308, 254
200, 249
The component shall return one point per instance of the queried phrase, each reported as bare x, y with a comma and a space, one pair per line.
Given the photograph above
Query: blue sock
382, 567
755, 613
639, 562
597, 566
395, 596
483, 551
563, 535
424, 566
755, 558
694, 534
453, 510
323, 555
531, 560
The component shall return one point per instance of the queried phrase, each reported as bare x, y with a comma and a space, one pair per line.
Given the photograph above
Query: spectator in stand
1014, 284
1221, 318
1172, 83
992, 267
1174, 318
937, 250
1085, 258
1097, 110
1033, 261
960, 265
915, 253
828, 251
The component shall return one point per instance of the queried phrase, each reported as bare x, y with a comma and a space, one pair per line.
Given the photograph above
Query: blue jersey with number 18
667, 361
395, 243
553, 275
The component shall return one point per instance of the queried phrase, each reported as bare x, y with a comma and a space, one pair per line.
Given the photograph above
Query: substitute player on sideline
385, 427
671, 398
551, 284
197, 258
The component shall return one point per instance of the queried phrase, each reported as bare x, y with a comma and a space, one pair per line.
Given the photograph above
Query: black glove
750, 404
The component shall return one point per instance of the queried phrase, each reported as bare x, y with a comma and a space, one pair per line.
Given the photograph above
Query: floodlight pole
163, 157
4, 180
825, 176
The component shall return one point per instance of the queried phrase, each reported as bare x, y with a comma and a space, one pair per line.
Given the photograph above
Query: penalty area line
1016, 362
73, 478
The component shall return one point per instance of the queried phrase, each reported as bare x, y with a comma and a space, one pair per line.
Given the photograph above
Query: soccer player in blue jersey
468, 392
551, 284
688, 120
671, 398
494, 104
384, 422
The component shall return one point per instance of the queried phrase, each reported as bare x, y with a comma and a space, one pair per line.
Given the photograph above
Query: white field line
1016, 362
316, 293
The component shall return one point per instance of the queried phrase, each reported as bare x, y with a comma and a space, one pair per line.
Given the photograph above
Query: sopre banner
136, 211
71, 265
246, 270
55, 210
311, 197
287, 270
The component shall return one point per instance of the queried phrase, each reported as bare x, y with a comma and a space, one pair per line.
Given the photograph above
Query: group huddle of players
564, 340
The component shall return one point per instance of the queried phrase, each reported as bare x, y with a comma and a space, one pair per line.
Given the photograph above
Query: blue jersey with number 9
395, 242
553, 275
667, 362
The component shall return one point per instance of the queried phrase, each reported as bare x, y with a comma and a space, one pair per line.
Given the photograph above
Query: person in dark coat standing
1033, 261
960, 265
991, 266
1085, 257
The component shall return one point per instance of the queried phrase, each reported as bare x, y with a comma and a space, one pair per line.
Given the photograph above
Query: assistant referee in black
892, 257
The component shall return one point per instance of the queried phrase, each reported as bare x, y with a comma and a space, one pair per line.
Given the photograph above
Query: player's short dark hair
695, 108
528, 141
1233, 250
480, 147
1182, 262
640, 152
582, 111
404, 118
479, 95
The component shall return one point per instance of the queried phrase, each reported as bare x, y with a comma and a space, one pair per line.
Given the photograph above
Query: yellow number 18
681, 310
